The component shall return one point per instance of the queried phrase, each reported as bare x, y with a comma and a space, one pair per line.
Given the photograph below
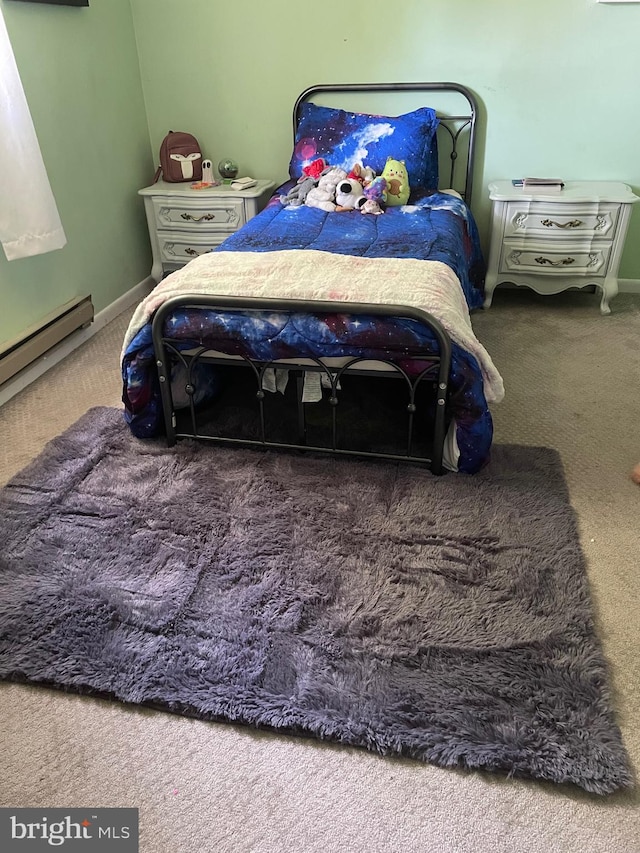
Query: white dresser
184, 223
551, 242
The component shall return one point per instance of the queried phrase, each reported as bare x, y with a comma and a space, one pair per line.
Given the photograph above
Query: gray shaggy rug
446, 619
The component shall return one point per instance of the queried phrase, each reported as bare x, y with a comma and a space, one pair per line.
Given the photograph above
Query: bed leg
439, 430
167, 403
302, 424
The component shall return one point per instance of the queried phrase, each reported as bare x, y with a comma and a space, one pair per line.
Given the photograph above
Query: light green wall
557, 79
79, 68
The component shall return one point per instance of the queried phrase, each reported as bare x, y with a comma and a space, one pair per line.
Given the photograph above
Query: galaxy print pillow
343, 138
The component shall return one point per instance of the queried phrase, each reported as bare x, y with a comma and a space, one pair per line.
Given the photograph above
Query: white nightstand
550, 242
184, 223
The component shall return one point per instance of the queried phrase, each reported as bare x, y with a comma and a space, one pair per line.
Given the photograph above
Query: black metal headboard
458, 130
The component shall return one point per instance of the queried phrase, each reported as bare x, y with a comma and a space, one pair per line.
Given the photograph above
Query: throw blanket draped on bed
308, 274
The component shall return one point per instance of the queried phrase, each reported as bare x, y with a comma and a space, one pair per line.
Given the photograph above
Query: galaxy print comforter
434, 227
425, 254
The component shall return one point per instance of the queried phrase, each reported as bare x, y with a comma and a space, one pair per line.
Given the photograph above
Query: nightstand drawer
177, 248
561, 221
554, 259
184, 223
206, 214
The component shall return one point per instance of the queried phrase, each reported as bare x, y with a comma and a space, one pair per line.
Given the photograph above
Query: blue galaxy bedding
432, 227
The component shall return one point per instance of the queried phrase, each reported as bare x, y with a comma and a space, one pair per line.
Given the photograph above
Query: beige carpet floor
572, 380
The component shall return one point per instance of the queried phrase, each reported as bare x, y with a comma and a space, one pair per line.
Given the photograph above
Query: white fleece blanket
310, 274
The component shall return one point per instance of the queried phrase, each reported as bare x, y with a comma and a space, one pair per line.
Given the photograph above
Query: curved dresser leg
609, 289
489, 287
156, 271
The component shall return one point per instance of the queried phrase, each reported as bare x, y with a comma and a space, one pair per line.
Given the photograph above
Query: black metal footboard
423, 395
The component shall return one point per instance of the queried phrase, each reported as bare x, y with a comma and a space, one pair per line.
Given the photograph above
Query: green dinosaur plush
397, 178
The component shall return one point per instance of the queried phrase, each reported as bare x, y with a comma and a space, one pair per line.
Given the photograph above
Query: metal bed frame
458, 127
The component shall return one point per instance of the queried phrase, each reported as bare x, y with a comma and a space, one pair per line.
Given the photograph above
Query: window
29, 220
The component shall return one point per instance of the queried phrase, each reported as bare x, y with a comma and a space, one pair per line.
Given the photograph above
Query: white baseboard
629, 285
55, 355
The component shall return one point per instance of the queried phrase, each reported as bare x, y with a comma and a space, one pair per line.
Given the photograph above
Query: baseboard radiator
39, 339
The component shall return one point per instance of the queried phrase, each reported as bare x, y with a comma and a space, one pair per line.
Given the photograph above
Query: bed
341, 332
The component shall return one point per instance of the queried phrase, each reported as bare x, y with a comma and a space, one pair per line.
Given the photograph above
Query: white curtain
29, 220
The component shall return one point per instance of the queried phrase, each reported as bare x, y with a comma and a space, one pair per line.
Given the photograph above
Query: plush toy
374, 195
323, 196
395, 174
349, 195
371, 206
376, 189
361, 173
298, 194
315, 169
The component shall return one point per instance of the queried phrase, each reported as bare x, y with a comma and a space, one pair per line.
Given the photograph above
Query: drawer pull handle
170, 249
563, 262
206, 217
572, 223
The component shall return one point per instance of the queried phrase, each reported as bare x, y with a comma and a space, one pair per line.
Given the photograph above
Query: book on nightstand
542, 185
